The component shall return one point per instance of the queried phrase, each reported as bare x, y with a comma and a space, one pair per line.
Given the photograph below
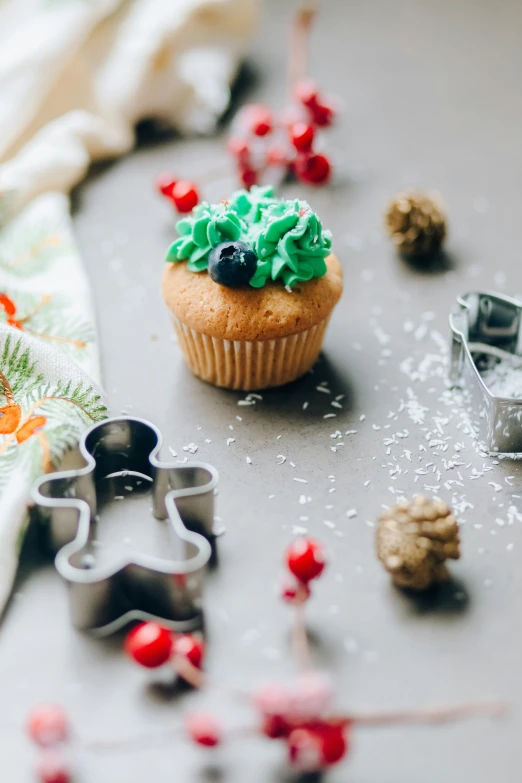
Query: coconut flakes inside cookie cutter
486, 334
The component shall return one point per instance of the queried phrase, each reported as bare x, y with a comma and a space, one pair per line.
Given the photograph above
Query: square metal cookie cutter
487, 327
112, 583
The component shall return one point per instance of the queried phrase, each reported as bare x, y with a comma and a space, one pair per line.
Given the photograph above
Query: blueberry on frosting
232, 264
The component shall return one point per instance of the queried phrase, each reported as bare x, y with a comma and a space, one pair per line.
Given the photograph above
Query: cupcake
251, 284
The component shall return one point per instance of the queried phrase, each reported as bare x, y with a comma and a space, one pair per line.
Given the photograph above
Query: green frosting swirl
287, 236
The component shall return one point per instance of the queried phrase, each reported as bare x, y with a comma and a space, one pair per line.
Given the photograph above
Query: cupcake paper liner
249, 365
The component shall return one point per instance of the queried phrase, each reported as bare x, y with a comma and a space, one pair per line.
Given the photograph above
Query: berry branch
277, 145
299, 714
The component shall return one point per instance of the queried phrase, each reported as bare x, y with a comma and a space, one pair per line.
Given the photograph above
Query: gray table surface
433, 98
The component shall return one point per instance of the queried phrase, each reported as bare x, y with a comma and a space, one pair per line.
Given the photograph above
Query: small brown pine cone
416, 224
414, 539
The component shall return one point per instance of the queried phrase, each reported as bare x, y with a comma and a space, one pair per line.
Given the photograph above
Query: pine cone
416, 224
414, 539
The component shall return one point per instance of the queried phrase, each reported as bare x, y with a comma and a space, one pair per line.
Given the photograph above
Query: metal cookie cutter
486, 329
118, 568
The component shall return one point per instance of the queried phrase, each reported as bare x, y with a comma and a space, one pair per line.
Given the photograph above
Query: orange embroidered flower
30, 427
10, 418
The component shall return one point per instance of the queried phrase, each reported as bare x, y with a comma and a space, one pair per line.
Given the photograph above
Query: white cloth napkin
75, 78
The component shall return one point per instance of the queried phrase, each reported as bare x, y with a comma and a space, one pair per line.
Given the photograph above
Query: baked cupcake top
253, 238
247, 313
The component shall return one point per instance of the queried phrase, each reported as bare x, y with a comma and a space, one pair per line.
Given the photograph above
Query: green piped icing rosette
286, 236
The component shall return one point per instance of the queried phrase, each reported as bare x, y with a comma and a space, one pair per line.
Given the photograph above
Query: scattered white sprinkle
280, 459
305, 405
351, 513
301, 481
362, 417
190, 447
230, 441
173, 452
323, 389
249, 460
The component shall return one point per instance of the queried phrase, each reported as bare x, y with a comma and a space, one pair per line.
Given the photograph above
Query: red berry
259, 119
248, 177
187, 646
314, 747
313, 169
302, 136
334, 743
306, 92
275, 727
239, 149
306, 559
149, 644
53, 768
165, 185
293, 591
203, 729
185, 196
7, 304
322, 115
48, 725
305, 750
272, 702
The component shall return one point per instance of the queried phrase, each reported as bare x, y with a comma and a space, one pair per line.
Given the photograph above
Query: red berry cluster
48, 727
306, 560
152, 645
299, 716
263, 140
182, 193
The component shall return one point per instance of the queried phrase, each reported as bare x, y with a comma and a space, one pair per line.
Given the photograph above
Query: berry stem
431, 715
300, 34
300, 644
191, 674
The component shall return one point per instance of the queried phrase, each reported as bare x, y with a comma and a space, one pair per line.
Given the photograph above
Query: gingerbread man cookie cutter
487, 327
118, 578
